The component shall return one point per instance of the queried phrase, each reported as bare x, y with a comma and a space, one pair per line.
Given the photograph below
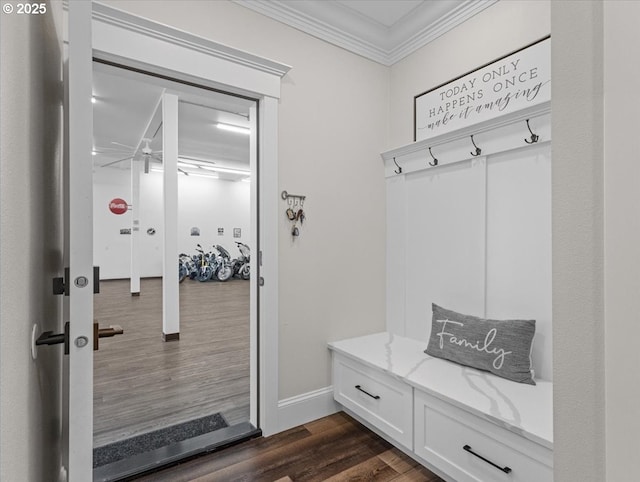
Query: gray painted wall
622, 238
30, 242
578, 241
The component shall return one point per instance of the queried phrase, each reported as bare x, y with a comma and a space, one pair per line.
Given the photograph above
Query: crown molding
431, 32
285, 13
342, 27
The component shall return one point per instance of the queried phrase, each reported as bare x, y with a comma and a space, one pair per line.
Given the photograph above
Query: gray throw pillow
502, 347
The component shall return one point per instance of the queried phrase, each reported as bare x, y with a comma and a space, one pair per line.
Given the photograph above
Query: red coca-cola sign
118, 206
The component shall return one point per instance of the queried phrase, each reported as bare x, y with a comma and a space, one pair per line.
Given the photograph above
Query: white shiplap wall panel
444, 242
473, 236
519, 244
396, 257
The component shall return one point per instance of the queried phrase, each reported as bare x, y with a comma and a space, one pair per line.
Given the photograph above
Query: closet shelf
508, 119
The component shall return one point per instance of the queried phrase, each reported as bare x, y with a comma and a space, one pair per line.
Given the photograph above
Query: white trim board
110, 15
494, 137
306, 407
157, 48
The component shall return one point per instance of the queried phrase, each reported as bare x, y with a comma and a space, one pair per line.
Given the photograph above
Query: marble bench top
526, 410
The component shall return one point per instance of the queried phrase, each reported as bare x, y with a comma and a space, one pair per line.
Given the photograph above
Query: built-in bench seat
462, 423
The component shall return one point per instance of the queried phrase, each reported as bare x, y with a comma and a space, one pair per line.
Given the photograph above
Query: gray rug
154, 440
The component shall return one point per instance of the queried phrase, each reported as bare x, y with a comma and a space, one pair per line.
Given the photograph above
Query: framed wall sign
517, 80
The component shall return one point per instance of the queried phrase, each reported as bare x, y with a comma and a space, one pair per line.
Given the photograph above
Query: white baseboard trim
306, 407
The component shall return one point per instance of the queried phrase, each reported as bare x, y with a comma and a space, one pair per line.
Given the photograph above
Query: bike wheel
182, 273
245, 272
224, 273
204, 274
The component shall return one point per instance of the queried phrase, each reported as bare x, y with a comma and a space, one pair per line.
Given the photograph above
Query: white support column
135, 228
170, 293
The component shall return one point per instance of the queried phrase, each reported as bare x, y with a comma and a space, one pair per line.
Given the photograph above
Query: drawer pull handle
506, 470
376, 397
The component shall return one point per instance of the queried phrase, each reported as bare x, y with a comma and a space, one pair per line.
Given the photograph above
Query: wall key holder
294, 212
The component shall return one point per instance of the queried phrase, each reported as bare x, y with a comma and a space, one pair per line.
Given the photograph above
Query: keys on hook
299, 216
295, 217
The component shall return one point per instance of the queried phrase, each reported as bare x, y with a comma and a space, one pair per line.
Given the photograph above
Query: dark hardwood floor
334, 448
142, 383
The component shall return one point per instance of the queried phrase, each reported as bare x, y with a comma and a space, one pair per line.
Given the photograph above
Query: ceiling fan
145, 154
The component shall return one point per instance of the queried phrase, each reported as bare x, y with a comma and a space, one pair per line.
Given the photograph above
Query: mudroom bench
464, 424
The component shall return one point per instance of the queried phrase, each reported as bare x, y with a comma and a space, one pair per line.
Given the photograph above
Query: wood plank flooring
334, 448
142, 383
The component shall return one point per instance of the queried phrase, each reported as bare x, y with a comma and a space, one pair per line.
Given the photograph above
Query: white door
78, 385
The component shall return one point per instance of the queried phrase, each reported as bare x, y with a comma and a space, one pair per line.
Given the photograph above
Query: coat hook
478, 150
534, 137
399, 170
435, 161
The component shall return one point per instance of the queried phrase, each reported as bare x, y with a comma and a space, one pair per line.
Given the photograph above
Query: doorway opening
167, 389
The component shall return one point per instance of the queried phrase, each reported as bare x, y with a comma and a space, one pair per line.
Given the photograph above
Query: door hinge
61, 284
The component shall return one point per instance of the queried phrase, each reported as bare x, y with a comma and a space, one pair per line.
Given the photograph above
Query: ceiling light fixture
206, 168
227, 170
202, 174
212, 175
232, 128
93, 100
209, 166
192, 162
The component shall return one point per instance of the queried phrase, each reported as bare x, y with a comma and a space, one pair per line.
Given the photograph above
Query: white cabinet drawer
378, 398
442, 432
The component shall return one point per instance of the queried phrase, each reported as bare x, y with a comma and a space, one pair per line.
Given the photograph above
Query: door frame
139, 43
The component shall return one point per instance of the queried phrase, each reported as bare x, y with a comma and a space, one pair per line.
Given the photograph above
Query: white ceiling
126, 112
385, 31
